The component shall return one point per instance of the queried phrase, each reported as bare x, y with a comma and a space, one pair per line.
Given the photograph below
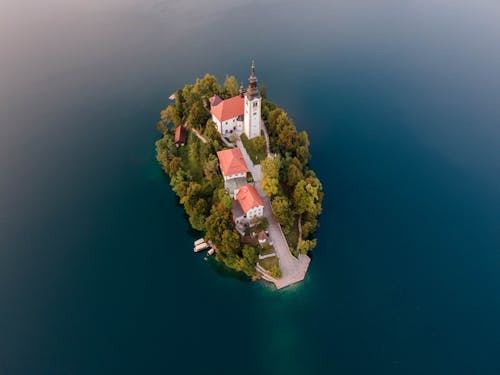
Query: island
241, 171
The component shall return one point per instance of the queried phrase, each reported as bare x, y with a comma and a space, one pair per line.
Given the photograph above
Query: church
239, 114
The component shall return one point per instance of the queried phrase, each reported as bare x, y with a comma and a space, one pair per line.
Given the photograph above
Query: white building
240, 114
233, 168
250, 202
252, 116
227, 114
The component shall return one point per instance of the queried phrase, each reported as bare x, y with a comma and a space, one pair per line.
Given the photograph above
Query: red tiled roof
248, 198
214, 100
229, 108
231, 162
180, 134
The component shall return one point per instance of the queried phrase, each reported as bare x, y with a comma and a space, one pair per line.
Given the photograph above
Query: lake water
401, 101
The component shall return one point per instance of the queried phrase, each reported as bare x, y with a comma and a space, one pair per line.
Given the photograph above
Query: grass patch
266, 250
272, 265
256, 147
189, 161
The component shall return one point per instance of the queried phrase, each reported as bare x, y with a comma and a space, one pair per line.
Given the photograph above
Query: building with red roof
227, 114
240, 114
180, 136
214, 100
233, 168
250, 202
232, 164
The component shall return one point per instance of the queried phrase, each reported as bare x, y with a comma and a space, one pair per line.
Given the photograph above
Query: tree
270, 176
302, 150
282, 210
294, 175
211, 169
307, 196
198, 115
207, 86
230, 241
258, 224
231, 87
197, 216
263, 91
165, 151
162, 127
179, 104
309, 225
250, 254
211, 131
170, 114
260, 145
191, 197
179, 183
307, 245
217, 222
287, 138
174, 166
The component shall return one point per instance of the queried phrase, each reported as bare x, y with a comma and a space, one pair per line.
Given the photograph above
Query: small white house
232, 164
233, 168
250, 202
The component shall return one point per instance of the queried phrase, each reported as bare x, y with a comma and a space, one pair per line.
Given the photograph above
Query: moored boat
199, 241
201, 247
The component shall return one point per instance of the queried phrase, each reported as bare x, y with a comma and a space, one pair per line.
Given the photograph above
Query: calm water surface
402, 104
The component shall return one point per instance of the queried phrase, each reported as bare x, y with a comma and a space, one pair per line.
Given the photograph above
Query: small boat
211, 252
172, 97
201, 247
199, 241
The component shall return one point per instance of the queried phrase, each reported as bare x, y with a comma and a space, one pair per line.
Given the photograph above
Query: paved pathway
292, 269
199, 135
268, 148
226, 142
267, 256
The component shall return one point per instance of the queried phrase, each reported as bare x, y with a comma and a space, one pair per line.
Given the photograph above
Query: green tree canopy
231, 87
282, 210
307, 196
270, 176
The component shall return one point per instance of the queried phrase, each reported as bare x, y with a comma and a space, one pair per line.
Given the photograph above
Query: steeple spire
252, 90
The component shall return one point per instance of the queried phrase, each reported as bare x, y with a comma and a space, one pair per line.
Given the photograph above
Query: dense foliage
295, 191
194, 170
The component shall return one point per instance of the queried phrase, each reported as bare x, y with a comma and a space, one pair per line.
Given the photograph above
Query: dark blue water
402, 105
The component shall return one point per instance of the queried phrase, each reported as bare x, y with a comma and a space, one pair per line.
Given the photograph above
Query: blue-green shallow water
401, 102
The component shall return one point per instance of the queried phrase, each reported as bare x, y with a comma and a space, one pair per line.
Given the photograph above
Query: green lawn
188, 163
266, 250
255, 152
272, 265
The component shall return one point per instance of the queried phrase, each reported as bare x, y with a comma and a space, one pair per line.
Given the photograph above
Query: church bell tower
252, 116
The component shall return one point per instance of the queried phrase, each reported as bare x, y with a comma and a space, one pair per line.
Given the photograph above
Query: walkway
226, 142
292, 269
263, 127
199, 135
